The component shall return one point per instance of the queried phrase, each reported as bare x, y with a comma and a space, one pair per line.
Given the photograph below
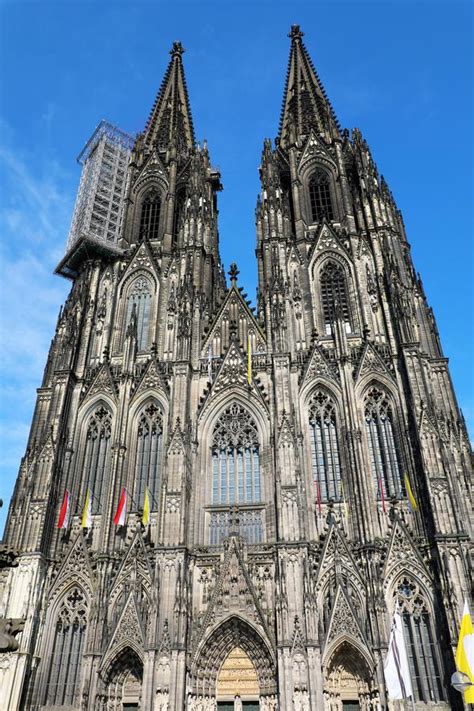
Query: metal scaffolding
98, 211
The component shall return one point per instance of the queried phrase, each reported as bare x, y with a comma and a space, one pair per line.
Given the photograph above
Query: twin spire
305, 104
170, 121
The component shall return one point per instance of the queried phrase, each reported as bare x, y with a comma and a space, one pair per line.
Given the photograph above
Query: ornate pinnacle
295, 32
233, 273
177, 49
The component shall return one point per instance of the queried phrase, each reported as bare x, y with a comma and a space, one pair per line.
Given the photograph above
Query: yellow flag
146, 508
249, 360
411, 498
86, 520
465, 651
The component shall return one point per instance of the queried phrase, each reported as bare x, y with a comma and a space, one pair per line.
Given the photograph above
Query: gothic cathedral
220, 507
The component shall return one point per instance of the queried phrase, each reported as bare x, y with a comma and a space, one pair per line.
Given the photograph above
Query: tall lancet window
149, 450
325, 447
384, 456
334, 295
420, 642
97, 454
236, 476
138, 308
150, 216
320, 196
63, 680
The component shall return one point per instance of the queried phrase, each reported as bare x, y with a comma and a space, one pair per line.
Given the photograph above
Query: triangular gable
151, 379
152, 167
286, 432
233, 593
315, 148
128, 631
232, 373
318, 366
48, 448
371, 362
177, 443
235, 305
326, 240
134, 563
102, 384
141, 258
75, 565
343, 621
297, 640
402, 553
336, 550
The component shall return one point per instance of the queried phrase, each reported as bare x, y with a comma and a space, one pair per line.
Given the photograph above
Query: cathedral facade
291, 473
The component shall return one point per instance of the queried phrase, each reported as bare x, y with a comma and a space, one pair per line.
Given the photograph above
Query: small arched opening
123, 682
349, 682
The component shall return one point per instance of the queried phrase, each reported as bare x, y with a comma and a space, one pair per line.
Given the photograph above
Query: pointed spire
305, 104
170, 120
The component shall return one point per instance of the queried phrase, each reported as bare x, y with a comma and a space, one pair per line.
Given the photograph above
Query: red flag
121, 513
382, 495
318, 496
63, 520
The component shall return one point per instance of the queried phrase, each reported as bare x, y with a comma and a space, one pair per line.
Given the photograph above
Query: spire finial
233, 273
295, 33
177, 50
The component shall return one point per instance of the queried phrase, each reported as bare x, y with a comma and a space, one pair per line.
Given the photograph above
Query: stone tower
306, 467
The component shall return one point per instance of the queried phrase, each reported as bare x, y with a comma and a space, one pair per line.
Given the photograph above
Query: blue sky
399, 71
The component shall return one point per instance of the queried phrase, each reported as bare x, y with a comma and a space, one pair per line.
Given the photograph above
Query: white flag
396, 669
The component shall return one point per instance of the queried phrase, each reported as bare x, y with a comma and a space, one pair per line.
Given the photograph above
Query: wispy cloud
34, 219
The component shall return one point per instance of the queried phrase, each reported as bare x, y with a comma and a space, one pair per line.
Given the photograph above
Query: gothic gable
343, 621
233, 593
177, 439
233, 373
76, 567
234, 310
315, 150
102, 384
286, 432
318, 366
141, 259
151, 379
371, 363
134, 565
403, 555
152, 170
128, 633
336, 557
326, 240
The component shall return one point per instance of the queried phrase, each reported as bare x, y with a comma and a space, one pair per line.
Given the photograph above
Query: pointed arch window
384, 456
320, 196
420, 641
97, 454
325, 447
149, 453
150, 216
63, 680
334, 295
138, 308
236, 475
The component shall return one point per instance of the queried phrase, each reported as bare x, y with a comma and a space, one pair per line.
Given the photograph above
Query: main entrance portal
237, 683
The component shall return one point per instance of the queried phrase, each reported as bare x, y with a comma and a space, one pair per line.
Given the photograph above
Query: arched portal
235, 668
349, 682
237, 680
123, 682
